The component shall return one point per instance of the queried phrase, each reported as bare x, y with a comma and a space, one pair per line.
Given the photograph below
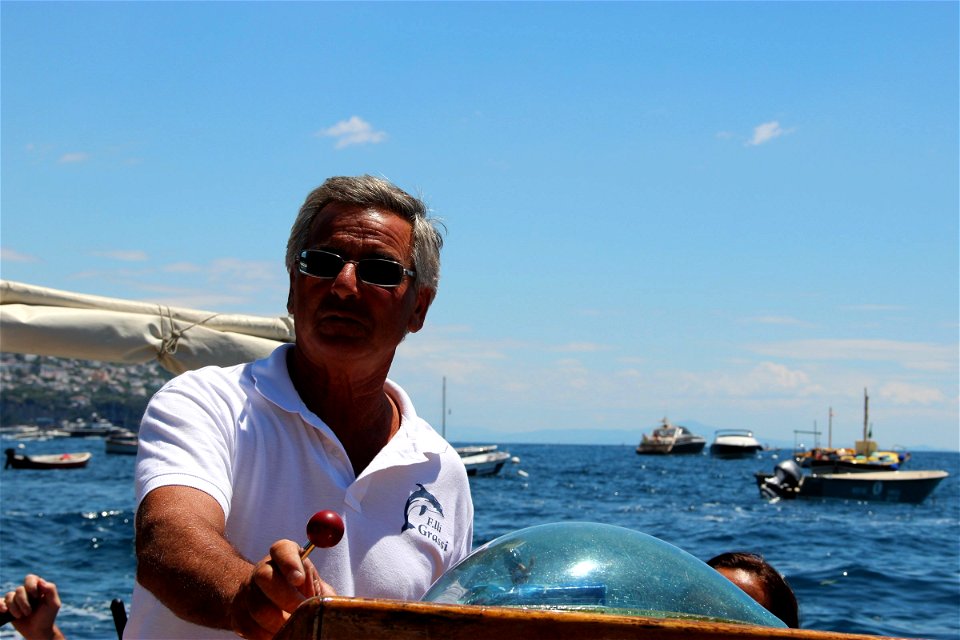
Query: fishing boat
827, 460
50, 461
788, 482
671, 438
863, 457
734, 443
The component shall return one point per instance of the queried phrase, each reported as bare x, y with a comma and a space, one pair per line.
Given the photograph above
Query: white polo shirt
243, 435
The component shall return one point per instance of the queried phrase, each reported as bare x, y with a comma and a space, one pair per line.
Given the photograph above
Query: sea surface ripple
856, 567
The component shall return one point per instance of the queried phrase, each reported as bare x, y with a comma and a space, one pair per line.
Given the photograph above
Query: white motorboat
483, 460
734, 443
671, 438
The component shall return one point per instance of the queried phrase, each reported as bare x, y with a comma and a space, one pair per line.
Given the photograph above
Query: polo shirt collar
412, 443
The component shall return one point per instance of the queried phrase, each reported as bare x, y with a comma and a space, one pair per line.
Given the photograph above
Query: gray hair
370, 191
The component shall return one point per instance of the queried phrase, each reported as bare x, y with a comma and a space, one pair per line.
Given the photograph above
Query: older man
234, 461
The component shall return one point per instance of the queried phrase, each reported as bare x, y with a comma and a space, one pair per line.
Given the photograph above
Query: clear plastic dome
586, 566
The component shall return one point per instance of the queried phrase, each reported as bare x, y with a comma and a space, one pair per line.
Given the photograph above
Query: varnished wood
340, 618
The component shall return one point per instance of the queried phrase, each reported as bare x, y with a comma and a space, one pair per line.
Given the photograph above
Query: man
234, 461
759, 580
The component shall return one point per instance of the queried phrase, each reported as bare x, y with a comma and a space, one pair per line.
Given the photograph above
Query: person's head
372, 192
363, 260
760, 581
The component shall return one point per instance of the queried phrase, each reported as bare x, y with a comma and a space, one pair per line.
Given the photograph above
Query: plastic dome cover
599, 568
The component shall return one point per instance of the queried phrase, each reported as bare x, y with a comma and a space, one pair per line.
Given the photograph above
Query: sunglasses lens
380, 272
320, 264
323, 264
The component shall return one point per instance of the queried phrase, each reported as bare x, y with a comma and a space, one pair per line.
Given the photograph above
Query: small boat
122, 443
864, 457
670, 438
51, 461
483, 460
99, 428
788, 481
826, 460
734, 443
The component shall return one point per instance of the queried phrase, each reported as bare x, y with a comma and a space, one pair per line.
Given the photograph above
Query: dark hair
783, 603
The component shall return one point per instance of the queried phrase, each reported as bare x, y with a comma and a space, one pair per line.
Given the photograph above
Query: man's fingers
285, 555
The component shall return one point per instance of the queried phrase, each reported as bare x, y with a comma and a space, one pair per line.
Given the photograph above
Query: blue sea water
857, 567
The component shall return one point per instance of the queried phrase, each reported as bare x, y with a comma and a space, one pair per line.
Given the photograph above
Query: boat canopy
50, 322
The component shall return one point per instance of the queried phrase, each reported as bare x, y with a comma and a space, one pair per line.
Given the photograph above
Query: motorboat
75, 460
122, 443
734, 443
671, 438
483, 460
98, 428
788, 481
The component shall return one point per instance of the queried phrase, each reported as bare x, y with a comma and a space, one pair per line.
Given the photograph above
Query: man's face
344, 317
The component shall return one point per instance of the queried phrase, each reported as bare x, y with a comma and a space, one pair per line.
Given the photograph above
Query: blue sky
735, 214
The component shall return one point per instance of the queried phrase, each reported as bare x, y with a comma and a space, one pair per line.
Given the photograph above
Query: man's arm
184, 559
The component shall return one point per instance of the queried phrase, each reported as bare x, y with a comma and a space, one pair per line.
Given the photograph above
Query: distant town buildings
43, 391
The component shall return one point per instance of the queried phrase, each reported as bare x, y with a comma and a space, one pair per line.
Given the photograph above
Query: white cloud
356, 130
10, 255
74, 157
766, 132
122, 255
766, 378
906, 393
911, 355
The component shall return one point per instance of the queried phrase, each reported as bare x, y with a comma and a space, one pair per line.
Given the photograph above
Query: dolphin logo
419, 502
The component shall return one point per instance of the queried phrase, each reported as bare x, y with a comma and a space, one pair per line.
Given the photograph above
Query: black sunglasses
377, 271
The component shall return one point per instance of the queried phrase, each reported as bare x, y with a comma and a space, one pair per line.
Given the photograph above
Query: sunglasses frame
343, 262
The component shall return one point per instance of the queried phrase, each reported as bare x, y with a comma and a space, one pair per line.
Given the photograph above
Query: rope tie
170, 340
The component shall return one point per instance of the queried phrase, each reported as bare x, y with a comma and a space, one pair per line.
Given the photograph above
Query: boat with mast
865, 456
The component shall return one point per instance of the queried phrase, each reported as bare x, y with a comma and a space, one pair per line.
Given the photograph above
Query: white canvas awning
50, 322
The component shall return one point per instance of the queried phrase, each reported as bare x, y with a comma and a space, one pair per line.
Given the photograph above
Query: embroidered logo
424, 514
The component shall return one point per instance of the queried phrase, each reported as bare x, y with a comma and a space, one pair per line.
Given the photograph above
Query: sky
737, 215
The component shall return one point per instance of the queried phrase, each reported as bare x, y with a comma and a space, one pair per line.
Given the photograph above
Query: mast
866, 413
830, 430
443, 419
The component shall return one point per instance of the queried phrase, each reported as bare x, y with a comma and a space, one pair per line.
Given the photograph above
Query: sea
856, 567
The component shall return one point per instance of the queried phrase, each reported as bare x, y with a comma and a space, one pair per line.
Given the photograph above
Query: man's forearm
192, 570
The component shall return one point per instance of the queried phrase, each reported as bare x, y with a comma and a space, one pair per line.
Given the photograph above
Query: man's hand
275, 588
34, 622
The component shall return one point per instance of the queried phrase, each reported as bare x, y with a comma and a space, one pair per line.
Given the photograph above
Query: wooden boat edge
344, 617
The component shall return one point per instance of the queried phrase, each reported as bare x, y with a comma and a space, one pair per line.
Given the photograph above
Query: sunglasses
377, 271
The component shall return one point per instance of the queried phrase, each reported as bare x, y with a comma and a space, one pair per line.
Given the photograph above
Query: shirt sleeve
187, 438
